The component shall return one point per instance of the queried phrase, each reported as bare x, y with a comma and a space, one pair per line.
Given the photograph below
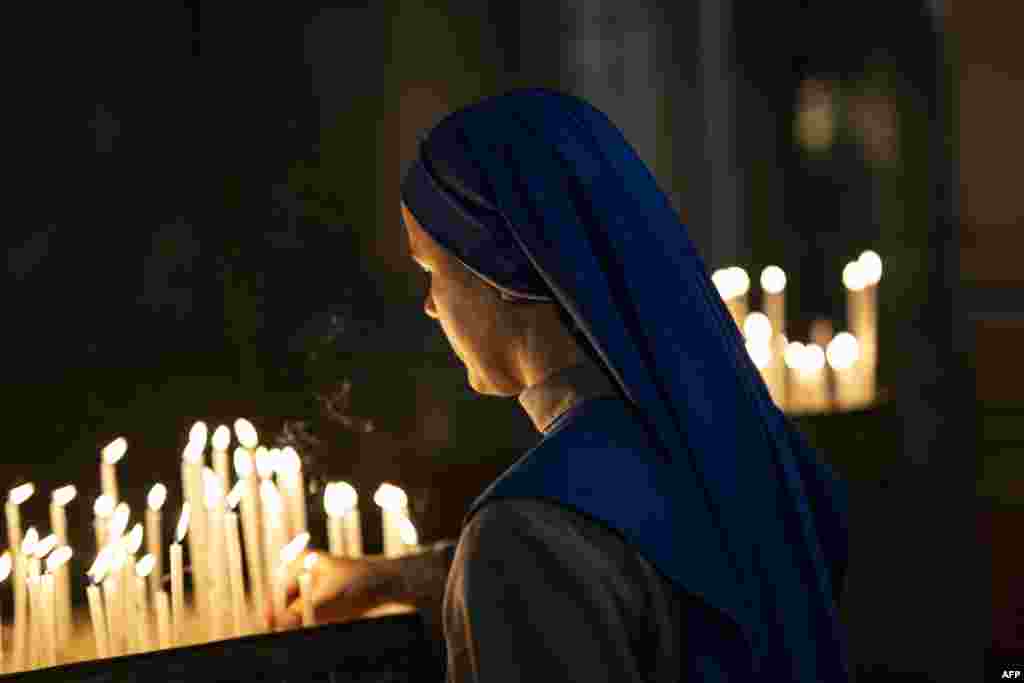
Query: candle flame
19, 494
58, 558
133, 541
871, 266
757, 327
339, 498
221, 438
101, 565
264, 463
235, 494
115, 450
854, 277
288, 462
6, 563
760, 352
213, 491
28, 543
193, 453
156, 497
119, 522
104, 506
246, 433
198, 434
45, 545
144, 567
814, 358
182, 529
294, 548
270, 497
64, 495
309, 561
390, 497
794, 355
843, 351
773, 279
407, 531
243, 463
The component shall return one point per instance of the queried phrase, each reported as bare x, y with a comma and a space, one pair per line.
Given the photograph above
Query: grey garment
545, 401
538, 592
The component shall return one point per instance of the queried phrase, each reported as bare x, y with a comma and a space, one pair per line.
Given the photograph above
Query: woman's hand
343, 589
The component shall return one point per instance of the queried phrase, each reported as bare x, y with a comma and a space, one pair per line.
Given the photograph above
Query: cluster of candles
241, 538
830, 371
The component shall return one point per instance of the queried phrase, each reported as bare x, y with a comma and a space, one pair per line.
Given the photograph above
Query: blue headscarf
540, 195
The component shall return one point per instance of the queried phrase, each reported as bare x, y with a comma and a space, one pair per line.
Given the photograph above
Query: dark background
204, 225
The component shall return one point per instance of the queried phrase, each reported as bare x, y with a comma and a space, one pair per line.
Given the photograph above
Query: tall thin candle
154, 532
111, 455
306, 589
251, 528
290, 472
289, 553
99, 620
234, 544
59, 521
219, 455
394, 505
144, 569
163, 620
273, 531
216, 555
103, 510
6, 564
56, 564
177, 577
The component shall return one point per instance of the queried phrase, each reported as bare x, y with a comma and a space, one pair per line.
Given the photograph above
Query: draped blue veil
541, 196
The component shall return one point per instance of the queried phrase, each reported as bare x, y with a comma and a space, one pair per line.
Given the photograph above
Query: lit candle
351, 522
306, 589
273, 531
813, 378
59, 521
132, 544
234, 545
99, 620
143, 570
217, 590
17, 496
796, 394
219, 455
251, 525
407, 534
154, 532
56, 564
773, 287
37, 648
855, 281
275, 457
192, 462
335, 512
289, 553
394, 505
118, 523
163, 620
757, 329
111, 454
289, 473
103, 510
842, 354
6, 565
732, 284
871, 269
48, 598
111, 599
32, 568
178, 578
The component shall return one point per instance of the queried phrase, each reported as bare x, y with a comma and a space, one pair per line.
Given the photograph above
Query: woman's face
479, 327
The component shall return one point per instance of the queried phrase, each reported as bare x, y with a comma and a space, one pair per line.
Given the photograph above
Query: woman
671, 524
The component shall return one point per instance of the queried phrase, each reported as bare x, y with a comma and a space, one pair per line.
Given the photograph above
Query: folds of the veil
768, 544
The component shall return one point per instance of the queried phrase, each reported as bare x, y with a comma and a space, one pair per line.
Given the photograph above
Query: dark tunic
538, 590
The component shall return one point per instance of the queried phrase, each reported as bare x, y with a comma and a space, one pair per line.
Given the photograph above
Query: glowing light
246, 433
760, 353
28, 544
243, 463
270, 497
19, 494
45, 545
115, 450
119, 522
221, 438
339, 498
288, 462
193, 453
390, 497
235, 494
871, 266
144, 567
64, 495
101, 565
103, 507
156, 497
264, 463
294, 548
773, 279
198, 434
854, 277
212, 489
58, 558
182, 529
794, 355
133, 541
757, 328
814, 358
310, 561
6, 563
843, 351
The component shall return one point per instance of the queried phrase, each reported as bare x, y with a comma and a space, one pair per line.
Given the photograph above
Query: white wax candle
273, 531
306, 594
216, 557
111, 603
110, 456
59, 521
353, 532
6, 565
163, 620
154, 533
145, 641
20, 611
253, 542
99, 621
37, 648
177, 595
13, 525
222, 468
335, 535
48, 594
842, 354
237, 588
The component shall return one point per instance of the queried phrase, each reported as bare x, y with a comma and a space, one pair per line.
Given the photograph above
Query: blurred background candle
17, 496
871, 270
102, 510
773, 289
193, 474
842, 354
132, 544
143, 570
234, 548
408, 535
289, 471
163, 620
757, 329
218, 599
99, 619
855, 281
814, 378
59, 500
111, 455
251, 527
178, 578
273, 531
733, 285
219, 455
155, 500
394, 505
